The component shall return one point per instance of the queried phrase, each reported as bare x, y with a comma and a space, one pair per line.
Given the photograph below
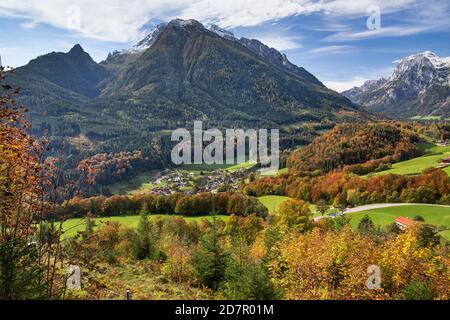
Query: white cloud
117, 20
340, 86
377, 33
233, 13
29, 24
364, 75
280, 42
332, 49
112, 20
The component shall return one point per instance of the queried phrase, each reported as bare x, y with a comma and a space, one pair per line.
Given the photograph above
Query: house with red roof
444, 163
404, 223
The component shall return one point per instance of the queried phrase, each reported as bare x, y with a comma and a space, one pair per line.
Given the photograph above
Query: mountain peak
149, 40
222, 32
152, 35
185, 23
429, 53
419, 85
427, 57
192, 26
77, 49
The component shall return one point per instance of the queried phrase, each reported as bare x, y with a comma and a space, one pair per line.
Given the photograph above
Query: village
192, 182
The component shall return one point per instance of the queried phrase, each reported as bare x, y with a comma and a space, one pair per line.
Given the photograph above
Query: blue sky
330, 38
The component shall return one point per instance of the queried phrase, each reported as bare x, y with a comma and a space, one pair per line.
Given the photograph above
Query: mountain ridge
270, 54
419, 85
187, 61
183, 73
75, 71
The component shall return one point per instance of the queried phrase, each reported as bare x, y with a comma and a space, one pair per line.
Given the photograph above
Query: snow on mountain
422, 70
269, 54
149, 40
222, 32
419, 85
356, 93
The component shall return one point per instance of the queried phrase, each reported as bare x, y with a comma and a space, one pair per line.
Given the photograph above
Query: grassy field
426, 118
417, 165
435, 215
197, 168
140, 181
72, 226
272, 203
144, 282
446, 234
275, 172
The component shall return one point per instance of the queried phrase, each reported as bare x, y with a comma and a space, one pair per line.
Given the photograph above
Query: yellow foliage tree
294, 214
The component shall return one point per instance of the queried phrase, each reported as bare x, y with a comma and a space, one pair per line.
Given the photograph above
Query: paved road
376, 206
387, 205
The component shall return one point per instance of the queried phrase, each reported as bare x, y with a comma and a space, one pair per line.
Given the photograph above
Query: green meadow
72, 226
197, 168
272, 203
435, 215
426, 118
137, 183
417, 165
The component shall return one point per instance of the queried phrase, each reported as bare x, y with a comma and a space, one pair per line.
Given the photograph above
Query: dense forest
176, 204
367, 144
343, 189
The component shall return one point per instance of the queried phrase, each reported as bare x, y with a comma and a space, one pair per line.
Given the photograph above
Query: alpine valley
95, 206
180, 72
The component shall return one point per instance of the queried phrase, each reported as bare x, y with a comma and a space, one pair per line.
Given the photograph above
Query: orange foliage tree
27, 256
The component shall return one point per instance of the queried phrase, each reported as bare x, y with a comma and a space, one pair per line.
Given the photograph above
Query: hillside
189, 73
179, 73
74, 71
431, 159
353, 144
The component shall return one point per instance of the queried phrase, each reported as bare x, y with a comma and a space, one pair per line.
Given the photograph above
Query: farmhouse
443, 143
445, 162
404, 223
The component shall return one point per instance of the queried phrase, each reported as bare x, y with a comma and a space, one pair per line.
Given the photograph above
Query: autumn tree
294, 214
404, 260
27, 261
340, 202
324, 265
322, 206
